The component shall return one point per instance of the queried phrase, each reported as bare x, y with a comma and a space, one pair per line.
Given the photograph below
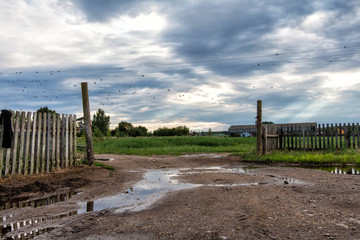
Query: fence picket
43, 143
21, 145
27, 143
33, 138
15, 144
358, 135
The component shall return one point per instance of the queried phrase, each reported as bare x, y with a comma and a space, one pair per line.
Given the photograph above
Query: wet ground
201, 196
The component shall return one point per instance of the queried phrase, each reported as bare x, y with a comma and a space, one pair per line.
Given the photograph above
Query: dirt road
201, 196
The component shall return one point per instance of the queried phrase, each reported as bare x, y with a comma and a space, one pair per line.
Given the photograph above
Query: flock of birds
48, 88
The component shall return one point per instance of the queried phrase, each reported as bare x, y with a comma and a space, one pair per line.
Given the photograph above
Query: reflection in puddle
142, 194
38, 202
339, 170
13, 226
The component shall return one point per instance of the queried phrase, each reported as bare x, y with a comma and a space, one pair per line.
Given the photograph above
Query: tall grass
323, 158
171, 145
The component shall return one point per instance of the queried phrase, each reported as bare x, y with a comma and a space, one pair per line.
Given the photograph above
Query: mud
198, 196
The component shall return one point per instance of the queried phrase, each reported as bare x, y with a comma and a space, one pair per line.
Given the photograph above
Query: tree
101, 121
177, 131
45, 110
210, 133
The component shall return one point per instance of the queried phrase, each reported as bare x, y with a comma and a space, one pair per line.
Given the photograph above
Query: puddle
339, 170
29, 235
38, 202
155, 185
13, 226
143, 194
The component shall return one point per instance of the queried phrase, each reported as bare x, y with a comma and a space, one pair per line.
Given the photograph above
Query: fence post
259, 143
87, 123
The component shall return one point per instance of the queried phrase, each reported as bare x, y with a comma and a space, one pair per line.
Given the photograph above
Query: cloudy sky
198, 63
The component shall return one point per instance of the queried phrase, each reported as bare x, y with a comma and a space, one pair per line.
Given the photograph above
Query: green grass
304, 158
242, 147
171, 145
99, 164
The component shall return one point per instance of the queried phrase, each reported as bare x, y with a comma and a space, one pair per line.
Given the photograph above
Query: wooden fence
42, 142
321, 137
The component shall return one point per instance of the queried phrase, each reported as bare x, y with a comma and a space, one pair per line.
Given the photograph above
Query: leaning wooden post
87, 123
259, 143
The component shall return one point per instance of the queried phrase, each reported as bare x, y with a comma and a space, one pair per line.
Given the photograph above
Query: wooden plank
259, 134
58, 159
307, 139
358, 135
264, 139
66, 153
27, 143
353, 135
53, 141
21, 144
14, 148
70, 141
336, 136
328, 136
296, 137
43, 143
48, 142
340, 134
324, 136
38, 143
292, 137
319, 128
303, 138
332, 135
75, 148
62, 142
33, 138
288, 137
312, 139
348, 135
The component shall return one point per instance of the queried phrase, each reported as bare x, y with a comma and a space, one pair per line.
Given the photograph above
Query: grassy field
307, 158
171, 145
243, 147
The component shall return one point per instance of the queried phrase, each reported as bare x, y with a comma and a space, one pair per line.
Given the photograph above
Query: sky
202, 64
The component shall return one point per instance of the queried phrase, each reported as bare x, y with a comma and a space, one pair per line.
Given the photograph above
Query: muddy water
155, 185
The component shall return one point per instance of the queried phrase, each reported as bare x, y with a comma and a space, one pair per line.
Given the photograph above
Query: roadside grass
148, 146
99, 164
237, 146
306, 158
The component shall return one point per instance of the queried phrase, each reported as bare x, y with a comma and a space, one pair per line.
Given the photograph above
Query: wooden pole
87, 123
259, 144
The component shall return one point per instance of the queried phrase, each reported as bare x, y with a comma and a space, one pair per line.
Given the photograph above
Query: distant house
242, 130
250, 130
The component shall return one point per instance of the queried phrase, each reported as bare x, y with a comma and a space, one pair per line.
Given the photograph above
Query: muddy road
200, 196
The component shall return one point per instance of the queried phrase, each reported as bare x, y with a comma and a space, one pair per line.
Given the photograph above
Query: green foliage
177, 131
306, 158
101, 122
126, 129
46, 110
98, 164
